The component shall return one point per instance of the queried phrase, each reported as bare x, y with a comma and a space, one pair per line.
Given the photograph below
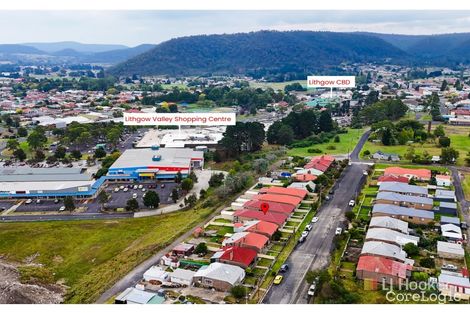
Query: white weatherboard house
452, 285
451, 232
386, 250
390, 236
450, 250
156, 273
182, 276
219, 276
390, 223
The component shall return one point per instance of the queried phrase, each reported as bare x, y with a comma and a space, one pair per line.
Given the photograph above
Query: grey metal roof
448, 247
383, 249
28, 174
402, 188
393, 196
389, 222
144, 157
399, 210
448, 205
454, 280
440, 193
385, 234
223, 272
450, 220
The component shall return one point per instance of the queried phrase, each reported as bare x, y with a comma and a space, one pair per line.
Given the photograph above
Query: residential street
314, 253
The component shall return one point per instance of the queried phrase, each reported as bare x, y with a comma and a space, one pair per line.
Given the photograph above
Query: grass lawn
171, 86
466, 186
277, 86
92, 255
346, 144
458, 139
430, 167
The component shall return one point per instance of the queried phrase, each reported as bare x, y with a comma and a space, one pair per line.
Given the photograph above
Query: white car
125, 189
121, 187
117, 189
309, 227
140, 187
29, 201
311, 289
143, 189
38, 201
304, 233
134, 196
62, 208
135, 187
339, 231
352, 203
315, 219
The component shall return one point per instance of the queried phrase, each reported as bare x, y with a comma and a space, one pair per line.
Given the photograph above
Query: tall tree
69, 203
325, 122
151, 199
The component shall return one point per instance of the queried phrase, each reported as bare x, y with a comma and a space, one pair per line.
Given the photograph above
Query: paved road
357, 149
315, 252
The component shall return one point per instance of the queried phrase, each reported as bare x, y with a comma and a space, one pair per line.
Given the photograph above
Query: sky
132, 28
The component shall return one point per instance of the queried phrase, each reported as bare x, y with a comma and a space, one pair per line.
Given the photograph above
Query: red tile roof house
321, 163
304, 177
295, 201
299, 193
250, 215
247, 240
260, 227
277, 207
392, 178
242, 257
419, 174
382, 270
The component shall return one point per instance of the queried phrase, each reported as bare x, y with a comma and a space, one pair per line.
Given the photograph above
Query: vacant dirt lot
12, 291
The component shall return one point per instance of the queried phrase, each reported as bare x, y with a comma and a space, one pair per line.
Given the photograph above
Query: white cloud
136, 27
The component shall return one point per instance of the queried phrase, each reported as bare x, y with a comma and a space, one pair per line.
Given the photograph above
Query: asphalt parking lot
119, 199
45, 206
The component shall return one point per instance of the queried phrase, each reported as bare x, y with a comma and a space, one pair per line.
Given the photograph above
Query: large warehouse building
155, 163
26, 182
132, 165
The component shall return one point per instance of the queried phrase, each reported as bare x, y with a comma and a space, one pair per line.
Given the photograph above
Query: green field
458, 137
466, 186
90, 256
437, 168
347, 143
277, 86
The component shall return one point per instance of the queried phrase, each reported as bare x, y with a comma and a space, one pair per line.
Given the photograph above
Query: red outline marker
264, 207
